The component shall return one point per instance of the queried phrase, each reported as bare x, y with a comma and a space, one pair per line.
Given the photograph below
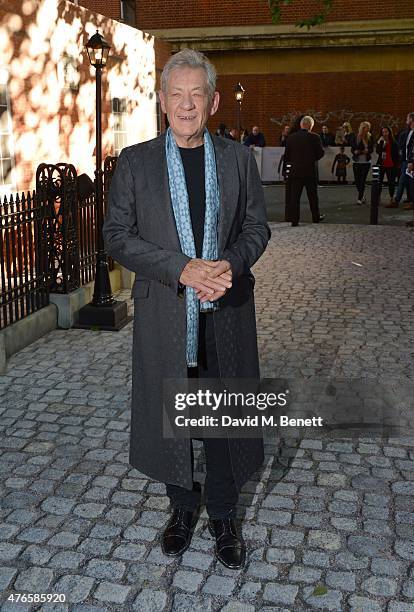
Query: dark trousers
391, 175
295, 187
221, 493
360, 175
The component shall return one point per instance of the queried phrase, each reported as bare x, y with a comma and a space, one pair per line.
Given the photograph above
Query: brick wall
110, 8
282, 94
154, 14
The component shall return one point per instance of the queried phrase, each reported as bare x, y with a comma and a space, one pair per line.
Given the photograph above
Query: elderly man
255, 139
186, 214
303, 150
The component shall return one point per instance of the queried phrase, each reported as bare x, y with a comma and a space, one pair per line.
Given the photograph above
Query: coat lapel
228, 178
157, 176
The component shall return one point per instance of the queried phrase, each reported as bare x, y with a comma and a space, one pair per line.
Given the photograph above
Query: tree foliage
276, 11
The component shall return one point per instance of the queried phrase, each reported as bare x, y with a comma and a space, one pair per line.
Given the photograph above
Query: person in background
361, 156
406, 147
255, 139
340, 136
284, 135
222, 130
326, 137
303, 149
388, 159
349, 135
243, 135
341, 161
232, 135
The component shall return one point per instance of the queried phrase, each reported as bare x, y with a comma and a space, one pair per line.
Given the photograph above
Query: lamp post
104, 312
238, 94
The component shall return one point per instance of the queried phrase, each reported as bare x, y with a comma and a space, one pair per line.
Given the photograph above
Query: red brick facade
283, 94
154, 14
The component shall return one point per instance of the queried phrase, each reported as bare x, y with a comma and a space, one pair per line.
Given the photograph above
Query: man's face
187, 105
286, 129
325, 129
255, 130
410, 122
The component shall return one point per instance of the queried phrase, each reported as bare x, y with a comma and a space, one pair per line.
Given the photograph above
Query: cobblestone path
329, 523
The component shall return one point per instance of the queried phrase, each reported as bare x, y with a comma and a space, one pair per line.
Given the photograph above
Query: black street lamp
104, 312
238, 94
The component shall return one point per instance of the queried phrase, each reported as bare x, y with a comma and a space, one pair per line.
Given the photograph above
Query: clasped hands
210, 279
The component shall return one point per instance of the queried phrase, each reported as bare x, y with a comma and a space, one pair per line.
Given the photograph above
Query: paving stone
331, 601
341, 580
385, 567
237, 606
385, 587
347, 560
365, 546
142, 573
8, 551
299, 573
326, 540
219, 585
58, 505
103, 530
315, 558
66, 560
250, 590
149, 599
105, 570
280, 555
95, 547
130, 552
286, 537
264, 571
363, 604
187, 580
64, 539
6, 576
140, 533
408, 589
197, 560
184, 602
112, 592
274, 517
280, 593
405, 549
34, 580
75, 587
34, 535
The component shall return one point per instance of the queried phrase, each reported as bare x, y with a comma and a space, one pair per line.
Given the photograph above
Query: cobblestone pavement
329, 523
338, 203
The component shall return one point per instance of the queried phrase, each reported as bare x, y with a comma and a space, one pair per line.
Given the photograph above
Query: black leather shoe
294, 224
230, 549
178, 532
321, 218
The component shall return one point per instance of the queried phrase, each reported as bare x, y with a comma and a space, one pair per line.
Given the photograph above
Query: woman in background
388, 158
361, 156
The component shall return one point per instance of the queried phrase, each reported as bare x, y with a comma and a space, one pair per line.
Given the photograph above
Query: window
128, 12
6, 155
119, 113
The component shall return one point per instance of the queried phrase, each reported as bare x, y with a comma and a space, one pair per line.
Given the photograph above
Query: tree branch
276, 12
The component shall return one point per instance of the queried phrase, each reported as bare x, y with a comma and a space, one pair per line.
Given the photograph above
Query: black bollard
287, 192
375, 195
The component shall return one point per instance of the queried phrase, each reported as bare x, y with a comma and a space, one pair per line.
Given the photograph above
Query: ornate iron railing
24, 256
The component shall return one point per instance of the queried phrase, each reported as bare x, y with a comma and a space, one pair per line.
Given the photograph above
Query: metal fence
47, 240
24, 243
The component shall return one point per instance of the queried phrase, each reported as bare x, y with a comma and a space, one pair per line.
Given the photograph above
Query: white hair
190, 58
307, 122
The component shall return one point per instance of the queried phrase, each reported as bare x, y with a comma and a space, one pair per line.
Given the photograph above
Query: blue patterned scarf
181, 208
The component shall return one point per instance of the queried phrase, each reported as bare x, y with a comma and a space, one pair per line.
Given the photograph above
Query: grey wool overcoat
140, 233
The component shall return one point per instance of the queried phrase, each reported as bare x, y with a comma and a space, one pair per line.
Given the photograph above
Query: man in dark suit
303, 150
187, 214
327, 138
406, 151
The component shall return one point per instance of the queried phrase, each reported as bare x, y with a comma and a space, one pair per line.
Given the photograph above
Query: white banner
270, 167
